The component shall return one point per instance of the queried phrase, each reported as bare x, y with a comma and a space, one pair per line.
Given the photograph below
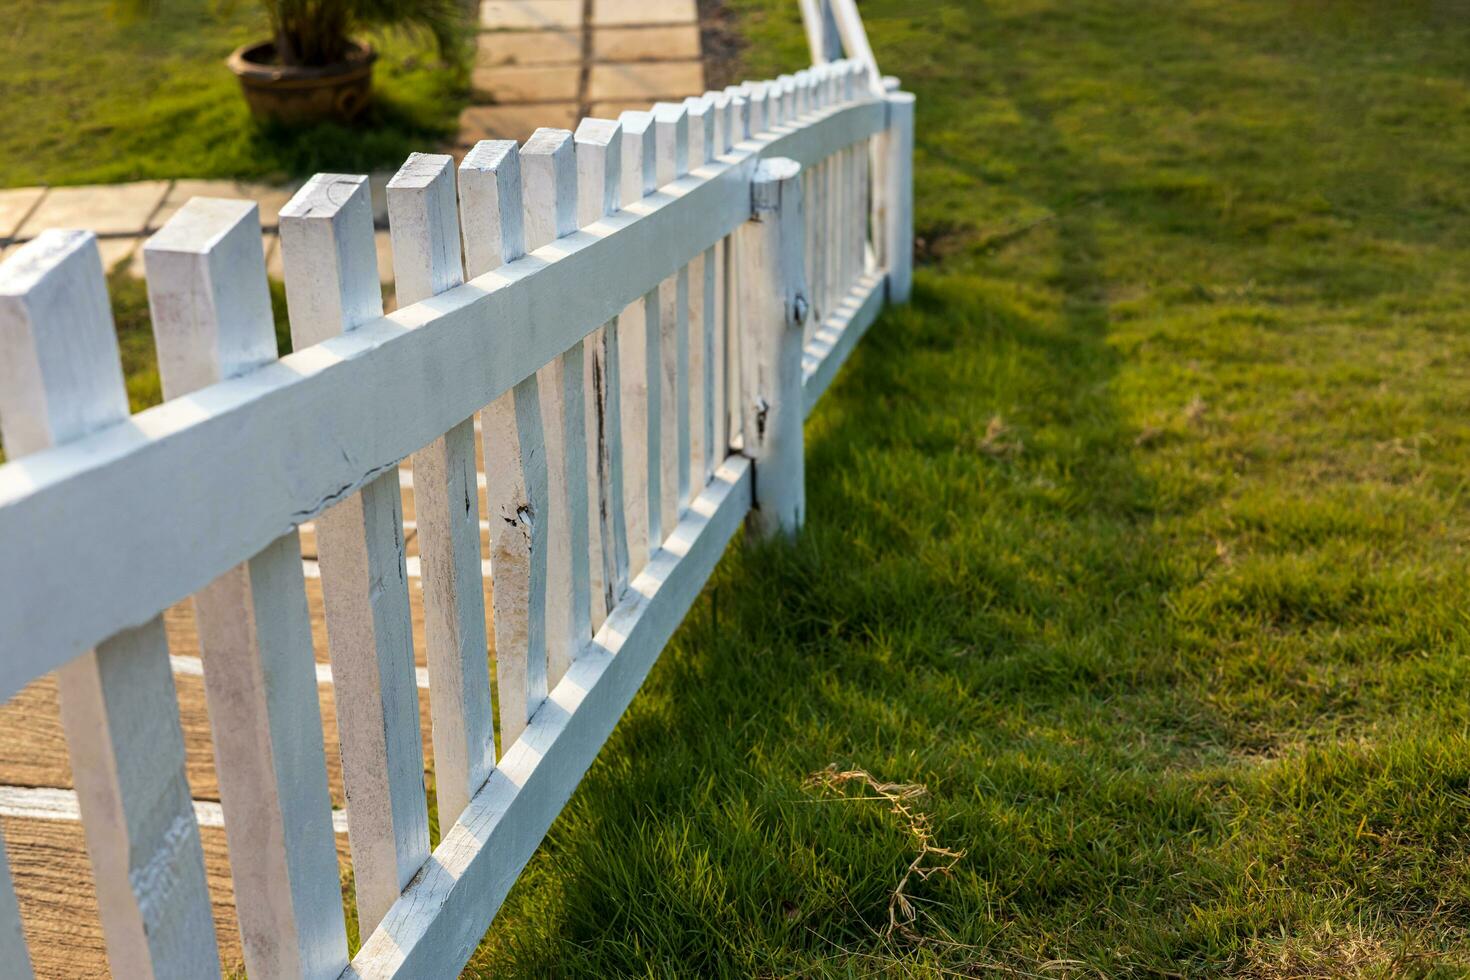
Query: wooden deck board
48, 858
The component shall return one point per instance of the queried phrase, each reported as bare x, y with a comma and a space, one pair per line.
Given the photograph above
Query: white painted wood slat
599, 153
492, 221
701, 315
671, 124
549, 172
60, 378
211, 314
424, 223
332, 288
638, 347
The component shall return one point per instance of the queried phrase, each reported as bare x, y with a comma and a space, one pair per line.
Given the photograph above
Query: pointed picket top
490, 206
423, 220
549, 172
671, 127
701, 130
720, 121
331, 261
208, 293
599, 145
640, 171
60, 373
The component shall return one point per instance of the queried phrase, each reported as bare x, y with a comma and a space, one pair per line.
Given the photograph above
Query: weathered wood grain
774, 301
211, 318
671, 141
493, 224
445, 912
332, 289
599, 194
424, 220
117, 701
549, 172
636, 325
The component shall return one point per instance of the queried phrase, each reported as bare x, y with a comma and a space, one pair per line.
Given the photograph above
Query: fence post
898, 196
774, 304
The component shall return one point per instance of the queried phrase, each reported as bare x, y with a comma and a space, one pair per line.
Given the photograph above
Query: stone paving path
537, 63
552, 62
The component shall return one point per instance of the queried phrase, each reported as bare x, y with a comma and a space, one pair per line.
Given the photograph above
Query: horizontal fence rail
605, 344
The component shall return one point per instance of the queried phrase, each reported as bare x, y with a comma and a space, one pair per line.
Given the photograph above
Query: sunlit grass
1138, 539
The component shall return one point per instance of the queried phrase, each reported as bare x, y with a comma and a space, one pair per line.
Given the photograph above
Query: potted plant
313, 67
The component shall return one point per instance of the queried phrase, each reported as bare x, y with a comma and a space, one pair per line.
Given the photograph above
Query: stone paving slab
513, 122
15, 205
680, 42
526, 15
616, 107
645, 80
107, 209
58, 900
115, 250
269, 197
614, 13
493, 49
528, 83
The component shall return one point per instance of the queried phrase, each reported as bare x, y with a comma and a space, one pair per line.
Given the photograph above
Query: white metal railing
628, 322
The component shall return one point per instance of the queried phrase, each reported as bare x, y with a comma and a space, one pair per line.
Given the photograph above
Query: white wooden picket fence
633, 319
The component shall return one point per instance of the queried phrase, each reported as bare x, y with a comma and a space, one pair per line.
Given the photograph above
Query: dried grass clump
929, 859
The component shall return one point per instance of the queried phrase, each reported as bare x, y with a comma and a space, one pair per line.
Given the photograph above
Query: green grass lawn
1138, 540
93, 97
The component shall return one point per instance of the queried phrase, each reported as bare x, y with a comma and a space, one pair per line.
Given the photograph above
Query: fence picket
332, 287
726, 120
424, 223
211, 313
492, 223
549, 171
61, 378
786, 89
701, 314
638, 339
671, 125
739, 131
599, 193
758, 102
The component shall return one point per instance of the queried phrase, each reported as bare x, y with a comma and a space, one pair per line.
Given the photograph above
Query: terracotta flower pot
303, 95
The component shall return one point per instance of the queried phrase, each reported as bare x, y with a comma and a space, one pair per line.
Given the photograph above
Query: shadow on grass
959, 613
